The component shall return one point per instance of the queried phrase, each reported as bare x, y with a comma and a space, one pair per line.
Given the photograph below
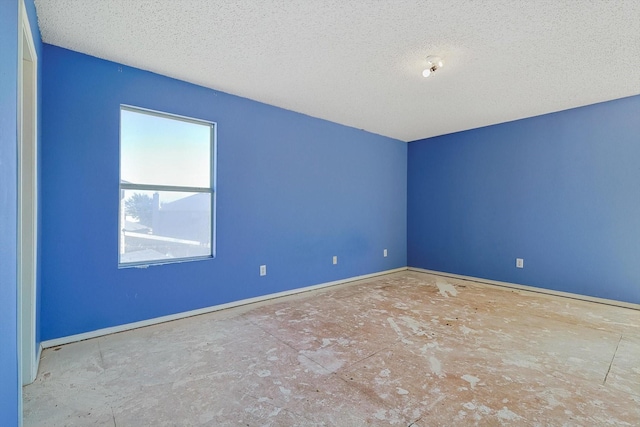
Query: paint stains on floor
406, 349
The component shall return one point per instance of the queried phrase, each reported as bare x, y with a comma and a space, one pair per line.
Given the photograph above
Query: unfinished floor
405, 349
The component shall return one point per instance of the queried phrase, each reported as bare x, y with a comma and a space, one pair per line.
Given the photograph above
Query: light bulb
434, 63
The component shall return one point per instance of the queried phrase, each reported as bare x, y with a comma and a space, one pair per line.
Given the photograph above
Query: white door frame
27, 197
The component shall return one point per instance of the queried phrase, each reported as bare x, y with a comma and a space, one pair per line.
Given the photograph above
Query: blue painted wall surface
10, 388
9, 383
559, 190
292, 192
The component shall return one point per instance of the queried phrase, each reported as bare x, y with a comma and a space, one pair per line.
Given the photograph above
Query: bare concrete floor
406, 349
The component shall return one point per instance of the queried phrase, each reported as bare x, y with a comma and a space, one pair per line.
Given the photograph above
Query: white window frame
211, 190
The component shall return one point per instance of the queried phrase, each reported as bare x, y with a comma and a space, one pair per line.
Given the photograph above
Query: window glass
163, 151
166, 194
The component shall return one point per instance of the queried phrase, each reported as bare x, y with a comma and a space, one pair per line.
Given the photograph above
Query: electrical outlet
384, 253
519, 263
263, 270
335, 259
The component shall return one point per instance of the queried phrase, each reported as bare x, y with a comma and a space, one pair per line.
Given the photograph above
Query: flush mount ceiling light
433, 64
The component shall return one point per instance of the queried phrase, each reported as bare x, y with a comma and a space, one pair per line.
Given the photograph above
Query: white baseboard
530, 289
128, 326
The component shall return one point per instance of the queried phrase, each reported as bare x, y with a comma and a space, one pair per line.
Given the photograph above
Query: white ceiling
359, 62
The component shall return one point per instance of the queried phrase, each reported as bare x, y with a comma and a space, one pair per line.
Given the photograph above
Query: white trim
161, 238
135, 325
38, 355
615, 303
27, 297
121, 328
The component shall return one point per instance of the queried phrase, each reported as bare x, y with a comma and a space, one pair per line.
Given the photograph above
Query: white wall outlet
519, 263
384, 253
263, 270
335, 259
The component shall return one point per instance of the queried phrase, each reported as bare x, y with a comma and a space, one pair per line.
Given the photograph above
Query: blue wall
9, 385
559, 190
292, 192
10, 389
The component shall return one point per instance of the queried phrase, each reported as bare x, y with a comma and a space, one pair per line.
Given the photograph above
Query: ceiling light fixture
433, 64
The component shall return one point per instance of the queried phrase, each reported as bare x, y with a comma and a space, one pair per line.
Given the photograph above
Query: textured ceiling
359, 62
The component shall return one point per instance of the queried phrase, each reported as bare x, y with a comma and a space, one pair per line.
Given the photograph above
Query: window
167, 196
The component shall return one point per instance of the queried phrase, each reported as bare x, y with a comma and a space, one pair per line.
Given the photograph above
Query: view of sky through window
158, 151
